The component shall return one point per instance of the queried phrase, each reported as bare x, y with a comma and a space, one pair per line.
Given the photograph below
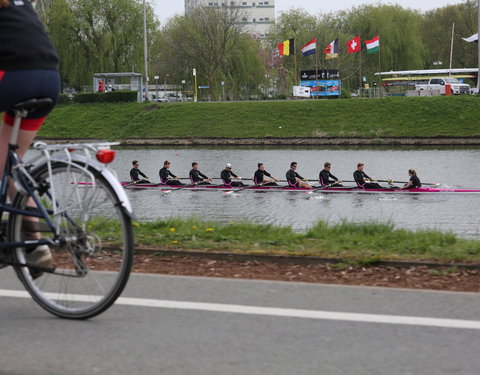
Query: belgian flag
287, 48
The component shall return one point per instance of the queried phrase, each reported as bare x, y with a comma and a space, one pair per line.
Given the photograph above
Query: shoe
41, 256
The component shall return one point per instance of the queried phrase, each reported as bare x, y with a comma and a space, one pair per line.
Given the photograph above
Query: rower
226, 176
414, 182
135, 173
363, 180
325, 177
294, 179
167, 177
197, 177
259, 177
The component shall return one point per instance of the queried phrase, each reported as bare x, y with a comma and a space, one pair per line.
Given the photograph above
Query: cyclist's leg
25, 139
16, 87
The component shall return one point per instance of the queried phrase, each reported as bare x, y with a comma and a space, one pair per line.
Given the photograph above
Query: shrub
108, 97
64, 99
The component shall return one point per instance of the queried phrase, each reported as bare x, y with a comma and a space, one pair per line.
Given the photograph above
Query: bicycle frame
18, 171
13, 162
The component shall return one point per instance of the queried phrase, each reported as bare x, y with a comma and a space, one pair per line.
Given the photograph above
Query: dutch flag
310, 48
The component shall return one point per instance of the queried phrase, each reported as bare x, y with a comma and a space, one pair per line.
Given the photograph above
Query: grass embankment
369, 118
364, 243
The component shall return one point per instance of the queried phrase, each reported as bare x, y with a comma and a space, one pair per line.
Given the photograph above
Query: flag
373, 46
473, 38
310, 48
287, 48
354, 45
332, 50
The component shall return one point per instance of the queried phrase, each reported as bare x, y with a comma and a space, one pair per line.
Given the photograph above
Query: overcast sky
167, 8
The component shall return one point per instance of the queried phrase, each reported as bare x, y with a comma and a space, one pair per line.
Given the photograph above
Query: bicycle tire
54, 296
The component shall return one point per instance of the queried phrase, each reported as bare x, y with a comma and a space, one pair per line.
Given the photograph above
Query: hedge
108, 97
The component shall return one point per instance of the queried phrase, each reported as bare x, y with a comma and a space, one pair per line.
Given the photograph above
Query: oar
406, 182
179, 188
239, 190
321, 188
241, 178
399, 182
132, 183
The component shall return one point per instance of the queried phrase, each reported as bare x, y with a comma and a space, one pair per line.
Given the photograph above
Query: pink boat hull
423, 190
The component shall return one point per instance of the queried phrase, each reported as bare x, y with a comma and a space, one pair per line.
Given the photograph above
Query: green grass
369, 118
364, 243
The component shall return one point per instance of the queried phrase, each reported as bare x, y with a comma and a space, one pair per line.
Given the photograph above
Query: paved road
181, 325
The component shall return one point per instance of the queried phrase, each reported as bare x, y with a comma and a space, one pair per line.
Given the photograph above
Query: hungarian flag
287, 48
332, 50
354, 45
373, 46
310, 48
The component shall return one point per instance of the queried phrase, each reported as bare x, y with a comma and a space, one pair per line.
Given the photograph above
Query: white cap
228, 165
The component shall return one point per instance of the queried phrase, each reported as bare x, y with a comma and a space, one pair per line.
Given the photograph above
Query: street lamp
156, 85
145, 51
195, 97
223, 88
183, 90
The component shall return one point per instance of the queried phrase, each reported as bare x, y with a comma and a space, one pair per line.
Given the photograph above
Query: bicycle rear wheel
93, 260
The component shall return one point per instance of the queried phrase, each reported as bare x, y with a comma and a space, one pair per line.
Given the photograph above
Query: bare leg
25, 138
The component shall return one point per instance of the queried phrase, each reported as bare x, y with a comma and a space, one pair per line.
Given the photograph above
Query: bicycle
74, 204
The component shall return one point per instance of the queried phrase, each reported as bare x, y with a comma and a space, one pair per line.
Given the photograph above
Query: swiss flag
354, 45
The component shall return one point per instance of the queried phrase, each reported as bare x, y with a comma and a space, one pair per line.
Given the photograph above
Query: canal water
456, 213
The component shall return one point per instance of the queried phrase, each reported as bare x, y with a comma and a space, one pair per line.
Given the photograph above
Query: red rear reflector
105, 156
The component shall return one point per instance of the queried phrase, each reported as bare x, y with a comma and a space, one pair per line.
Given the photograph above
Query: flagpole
478, 42
295, 60
316, 74
380, 69
451, 50
339, 80
361, 77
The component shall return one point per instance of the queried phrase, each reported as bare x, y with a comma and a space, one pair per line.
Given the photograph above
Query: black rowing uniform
135, 174
259, 176
164, 174
360, 176
325, 177
292, 178
226, 177
415, 182
197, 177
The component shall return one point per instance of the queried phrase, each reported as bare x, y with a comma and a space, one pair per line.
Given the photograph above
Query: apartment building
257, 15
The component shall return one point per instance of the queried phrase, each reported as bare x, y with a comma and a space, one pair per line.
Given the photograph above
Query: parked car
440, 83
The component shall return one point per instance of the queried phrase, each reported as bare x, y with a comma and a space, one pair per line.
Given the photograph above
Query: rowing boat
423, 190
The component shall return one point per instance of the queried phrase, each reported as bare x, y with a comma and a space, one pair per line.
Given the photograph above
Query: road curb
271, 141
299, 260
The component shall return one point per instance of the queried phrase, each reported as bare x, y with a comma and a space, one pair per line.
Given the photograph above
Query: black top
325, 178
164, 173
226, 176
260, 176
292, 177
359, 177
134, 172
197, 176
24, 44
415, 182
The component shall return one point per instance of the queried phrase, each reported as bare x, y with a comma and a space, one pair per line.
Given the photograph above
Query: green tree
213, 41
93, 36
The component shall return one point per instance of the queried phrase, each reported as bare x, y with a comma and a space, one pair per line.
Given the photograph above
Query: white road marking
273, 311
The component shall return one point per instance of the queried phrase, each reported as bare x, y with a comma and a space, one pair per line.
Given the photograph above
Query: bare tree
205, 38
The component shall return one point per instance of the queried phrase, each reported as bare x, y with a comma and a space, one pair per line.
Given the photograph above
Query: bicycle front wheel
93, 251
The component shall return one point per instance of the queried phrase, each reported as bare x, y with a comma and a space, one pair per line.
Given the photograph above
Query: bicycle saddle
32, 105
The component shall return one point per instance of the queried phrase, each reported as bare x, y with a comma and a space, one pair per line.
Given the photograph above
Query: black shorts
18, 86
